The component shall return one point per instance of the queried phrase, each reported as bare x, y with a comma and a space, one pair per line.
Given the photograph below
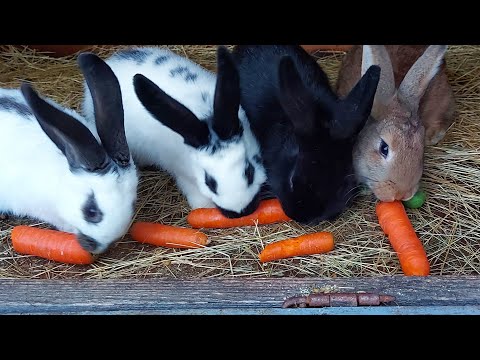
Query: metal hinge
337, 299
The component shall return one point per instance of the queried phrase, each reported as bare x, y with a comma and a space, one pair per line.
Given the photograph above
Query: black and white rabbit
188, 121
54, 167
306, 133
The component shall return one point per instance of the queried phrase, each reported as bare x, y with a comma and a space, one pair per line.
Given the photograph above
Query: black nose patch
87, 243
250, 208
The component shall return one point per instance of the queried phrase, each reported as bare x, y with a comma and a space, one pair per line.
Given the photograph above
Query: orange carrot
168, 236
268, 212
49, 244
394, 221
315, 243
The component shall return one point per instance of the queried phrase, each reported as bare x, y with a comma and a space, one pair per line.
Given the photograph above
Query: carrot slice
168, 236
394, 221
268, 212
308, 244
49, 244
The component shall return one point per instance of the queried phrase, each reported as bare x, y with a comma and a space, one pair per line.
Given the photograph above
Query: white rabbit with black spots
188, 121
58, 171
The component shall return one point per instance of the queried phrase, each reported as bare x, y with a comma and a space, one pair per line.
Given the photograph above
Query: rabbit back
182, 79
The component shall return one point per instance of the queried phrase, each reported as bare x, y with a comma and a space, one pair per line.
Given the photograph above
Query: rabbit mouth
406, 198
250, 208
392, 195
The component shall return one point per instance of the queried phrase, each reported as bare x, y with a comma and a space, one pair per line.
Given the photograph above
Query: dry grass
447, 223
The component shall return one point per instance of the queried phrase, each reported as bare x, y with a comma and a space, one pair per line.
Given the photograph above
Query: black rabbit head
314, 175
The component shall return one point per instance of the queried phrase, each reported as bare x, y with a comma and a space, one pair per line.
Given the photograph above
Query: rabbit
187, 120
306, 133
413, 107
75, 176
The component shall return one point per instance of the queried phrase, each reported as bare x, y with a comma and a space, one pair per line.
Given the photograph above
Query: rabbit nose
387, 198
399, 196
250, 208
87, 243
228, 213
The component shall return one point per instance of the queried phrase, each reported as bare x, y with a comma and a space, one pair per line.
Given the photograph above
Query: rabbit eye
211, 183
250, 173
384, 149
91, 212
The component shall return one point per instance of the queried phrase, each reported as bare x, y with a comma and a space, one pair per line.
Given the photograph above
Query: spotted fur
188, 121
55, 169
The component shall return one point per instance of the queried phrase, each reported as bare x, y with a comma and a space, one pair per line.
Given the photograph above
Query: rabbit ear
73, 138
357, 105
227, 96
108, 106
378, 55
170, 112
420, 74
297, 102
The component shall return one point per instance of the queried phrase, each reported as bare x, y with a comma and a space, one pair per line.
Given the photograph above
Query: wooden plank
414, 295
346, 311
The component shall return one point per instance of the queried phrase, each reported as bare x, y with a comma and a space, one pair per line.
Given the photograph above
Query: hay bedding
447, 223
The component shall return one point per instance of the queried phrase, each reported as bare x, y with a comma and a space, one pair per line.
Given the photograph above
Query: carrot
268, 212
394, 221
308, 244
168, 236
49, 244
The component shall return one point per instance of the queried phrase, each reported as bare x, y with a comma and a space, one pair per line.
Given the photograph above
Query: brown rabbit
414, 105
